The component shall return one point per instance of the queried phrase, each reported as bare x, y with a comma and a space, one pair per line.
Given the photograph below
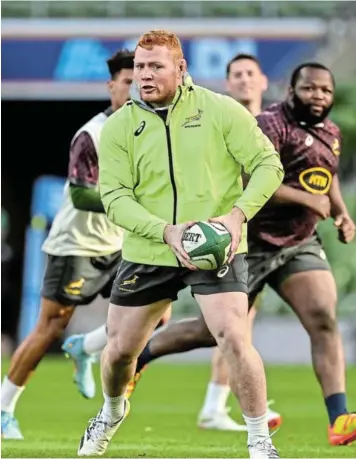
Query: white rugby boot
98, 434
219, 420
263, 450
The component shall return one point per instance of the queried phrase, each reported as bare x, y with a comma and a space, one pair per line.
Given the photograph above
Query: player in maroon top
284, 250
310, 156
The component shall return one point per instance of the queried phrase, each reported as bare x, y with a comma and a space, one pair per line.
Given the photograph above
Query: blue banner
83, 59
46, 200
47, 197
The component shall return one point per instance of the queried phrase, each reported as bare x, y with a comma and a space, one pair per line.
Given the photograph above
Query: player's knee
322, 322
53, 326
232, 335
231, 341
119, 352
322, 317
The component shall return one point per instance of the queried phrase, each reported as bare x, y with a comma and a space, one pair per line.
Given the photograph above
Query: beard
303, 112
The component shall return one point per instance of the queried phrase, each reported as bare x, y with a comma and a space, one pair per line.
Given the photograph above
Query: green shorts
272, 265
140, 285
72, 281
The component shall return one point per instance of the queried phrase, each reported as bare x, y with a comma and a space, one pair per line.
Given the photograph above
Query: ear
110, 85
264, 83
182, 66
290, 91
227, 85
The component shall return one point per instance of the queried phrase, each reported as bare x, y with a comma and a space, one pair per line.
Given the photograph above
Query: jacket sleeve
116, 183
254, 151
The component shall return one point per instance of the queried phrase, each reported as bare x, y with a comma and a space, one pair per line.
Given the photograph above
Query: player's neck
164, 103
160, 106
254, 107
114, 107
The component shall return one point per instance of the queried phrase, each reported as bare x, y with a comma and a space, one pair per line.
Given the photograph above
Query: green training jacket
187, 168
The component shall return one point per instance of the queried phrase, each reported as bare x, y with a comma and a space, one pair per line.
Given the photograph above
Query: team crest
128, 285
309, 140
129, 281
75, 287
193, 119
336, 147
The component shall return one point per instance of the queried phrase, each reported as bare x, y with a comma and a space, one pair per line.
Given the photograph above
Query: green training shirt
154, 172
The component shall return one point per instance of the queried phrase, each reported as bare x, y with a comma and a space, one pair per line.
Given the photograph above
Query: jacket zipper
171, 168
171, 173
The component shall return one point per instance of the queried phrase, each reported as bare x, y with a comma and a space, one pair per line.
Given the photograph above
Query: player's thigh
255, 304
53, 317
222, 298
225, 314
73, 280
262, 262
308, 286
142, 294
166, 317
129, 328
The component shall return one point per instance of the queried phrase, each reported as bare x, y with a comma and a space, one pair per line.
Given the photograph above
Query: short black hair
122, 59
240, 57
310, 65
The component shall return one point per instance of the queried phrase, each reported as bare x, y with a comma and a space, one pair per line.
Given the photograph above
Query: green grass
162, 422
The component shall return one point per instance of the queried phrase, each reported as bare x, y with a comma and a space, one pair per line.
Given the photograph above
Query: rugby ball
207, 244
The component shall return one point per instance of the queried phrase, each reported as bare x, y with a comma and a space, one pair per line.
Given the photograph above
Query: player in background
246, 83
83, 252
284, 249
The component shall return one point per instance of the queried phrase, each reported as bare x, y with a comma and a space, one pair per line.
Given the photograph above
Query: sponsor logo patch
316, 180
336, 147
140, 129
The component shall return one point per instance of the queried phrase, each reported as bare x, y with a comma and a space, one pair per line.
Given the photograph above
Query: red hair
160, 37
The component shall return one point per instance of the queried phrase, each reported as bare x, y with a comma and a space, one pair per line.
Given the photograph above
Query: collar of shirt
303, 123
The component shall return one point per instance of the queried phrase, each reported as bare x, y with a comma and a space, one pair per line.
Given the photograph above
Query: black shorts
272, 265
73, 281
139, 285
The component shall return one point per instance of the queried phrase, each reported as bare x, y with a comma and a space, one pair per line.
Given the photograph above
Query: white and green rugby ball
207, 244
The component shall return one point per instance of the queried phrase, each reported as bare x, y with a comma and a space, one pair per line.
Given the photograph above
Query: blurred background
53, 80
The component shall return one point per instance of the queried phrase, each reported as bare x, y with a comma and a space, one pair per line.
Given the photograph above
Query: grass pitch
164, 408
